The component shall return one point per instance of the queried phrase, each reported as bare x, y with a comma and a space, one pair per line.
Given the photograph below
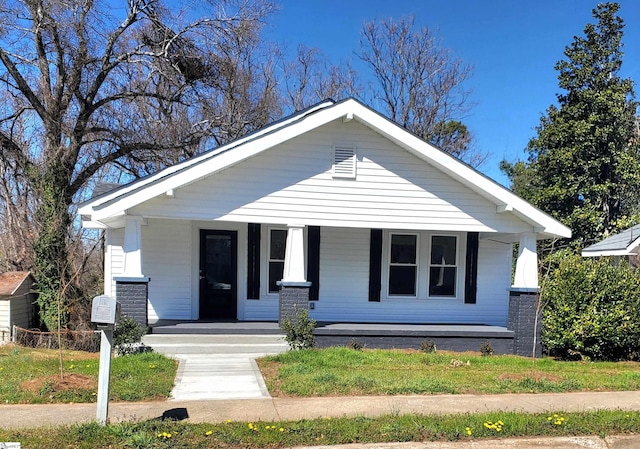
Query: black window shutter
313, 261
375, 265
471, 271
253, 261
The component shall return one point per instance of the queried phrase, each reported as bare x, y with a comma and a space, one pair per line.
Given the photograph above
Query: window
443, 265
277, 245
403, 265
419, 265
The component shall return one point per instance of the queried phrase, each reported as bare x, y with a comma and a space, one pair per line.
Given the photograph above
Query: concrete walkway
217, 366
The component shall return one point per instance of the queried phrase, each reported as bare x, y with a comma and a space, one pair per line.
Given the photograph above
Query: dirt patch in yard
55, 384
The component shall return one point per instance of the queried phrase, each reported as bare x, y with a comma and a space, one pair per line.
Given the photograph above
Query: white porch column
133, 247
526, 275
294, 255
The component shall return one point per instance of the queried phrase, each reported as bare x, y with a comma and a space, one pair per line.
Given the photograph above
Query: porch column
132, 246
132, 286
294, 255
527, 265
524, 317
294, 288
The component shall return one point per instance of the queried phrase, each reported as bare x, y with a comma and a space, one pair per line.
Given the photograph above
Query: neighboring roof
624, 243
11, 281
116, 202
104, 187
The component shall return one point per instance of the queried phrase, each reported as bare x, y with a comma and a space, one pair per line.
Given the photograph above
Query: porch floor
454, 337
336, 329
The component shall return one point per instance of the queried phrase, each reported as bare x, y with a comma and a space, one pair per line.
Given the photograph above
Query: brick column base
522, 314
294, 296
132, 294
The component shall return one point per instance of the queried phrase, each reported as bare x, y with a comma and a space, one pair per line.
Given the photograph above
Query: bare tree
86, 83
420, 84
310, 78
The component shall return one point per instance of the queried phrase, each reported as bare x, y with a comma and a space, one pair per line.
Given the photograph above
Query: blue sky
513, 46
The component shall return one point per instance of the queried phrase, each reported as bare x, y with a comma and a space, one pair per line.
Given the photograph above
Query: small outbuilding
16, 302
625, 244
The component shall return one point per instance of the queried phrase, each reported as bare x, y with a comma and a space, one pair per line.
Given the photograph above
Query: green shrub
428, 346
299, 330
486, 349
356, 345
592, 309
126, 334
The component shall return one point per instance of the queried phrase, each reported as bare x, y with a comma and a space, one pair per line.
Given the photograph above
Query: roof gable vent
344, 162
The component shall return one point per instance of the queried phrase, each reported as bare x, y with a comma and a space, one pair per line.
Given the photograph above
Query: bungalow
336, 209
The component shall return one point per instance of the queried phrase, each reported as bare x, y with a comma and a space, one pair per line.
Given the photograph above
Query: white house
381, 226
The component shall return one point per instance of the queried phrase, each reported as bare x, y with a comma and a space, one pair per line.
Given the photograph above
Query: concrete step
247, 345
243, 339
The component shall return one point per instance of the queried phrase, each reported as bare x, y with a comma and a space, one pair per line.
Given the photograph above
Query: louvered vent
344, 162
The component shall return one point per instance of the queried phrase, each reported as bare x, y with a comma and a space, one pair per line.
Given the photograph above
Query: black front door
218, 274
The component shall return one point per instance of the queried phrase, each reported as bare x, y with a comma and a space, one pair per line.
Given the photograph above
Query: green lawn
344, 371
231, 435
33, 376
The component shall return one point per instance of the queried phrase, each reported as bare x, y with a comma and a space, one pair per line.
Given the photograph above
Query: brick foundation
132, 296
521, 320
294, 296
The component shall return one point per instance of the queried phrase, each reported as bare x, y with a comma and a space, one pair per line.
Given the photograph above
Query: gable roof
11, 281
624, 243
116, 202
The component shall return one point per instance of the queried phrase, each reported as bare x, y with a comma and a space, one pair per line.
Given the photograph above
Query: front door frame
233, 234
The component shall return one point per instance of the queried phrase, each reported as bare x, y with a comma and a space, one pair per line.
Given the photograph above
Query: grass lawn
345, 371
33, 376
231, 435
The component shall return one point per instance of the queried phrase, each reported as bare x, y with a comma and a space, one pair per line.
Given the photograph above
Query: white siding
293, 182
494, 280
344, 288
113, 259
5, 326
167, 261
344, 283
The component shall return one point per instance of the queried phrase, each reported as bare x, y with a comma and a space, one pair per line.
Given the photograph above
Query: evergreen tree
583, 166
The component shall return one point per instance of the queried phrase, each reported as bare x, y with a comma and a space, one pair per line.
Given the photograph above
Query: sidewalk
285, 409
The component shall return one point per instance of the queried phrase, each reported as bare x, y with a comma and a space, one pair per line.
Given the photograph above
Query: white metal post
106, 343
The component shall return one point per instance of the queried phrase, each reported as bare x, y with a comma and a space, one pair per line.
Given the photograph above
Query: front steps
247, 345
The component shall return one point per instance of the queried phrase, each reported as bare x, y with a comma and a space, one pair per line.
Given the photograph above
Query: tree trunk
51, 253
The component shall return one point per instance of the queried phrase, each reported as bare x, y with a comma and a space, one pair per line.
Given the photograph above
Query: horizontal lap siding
293, 182
344, 275
167, 260
344, 284
494, 280
5, 326
114, 259
21, 308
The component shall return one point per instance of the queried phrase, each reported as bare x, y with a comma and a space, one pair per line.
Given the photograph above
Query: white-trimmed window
276, 251
443, 266
423, 265
344, 162
403, 264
